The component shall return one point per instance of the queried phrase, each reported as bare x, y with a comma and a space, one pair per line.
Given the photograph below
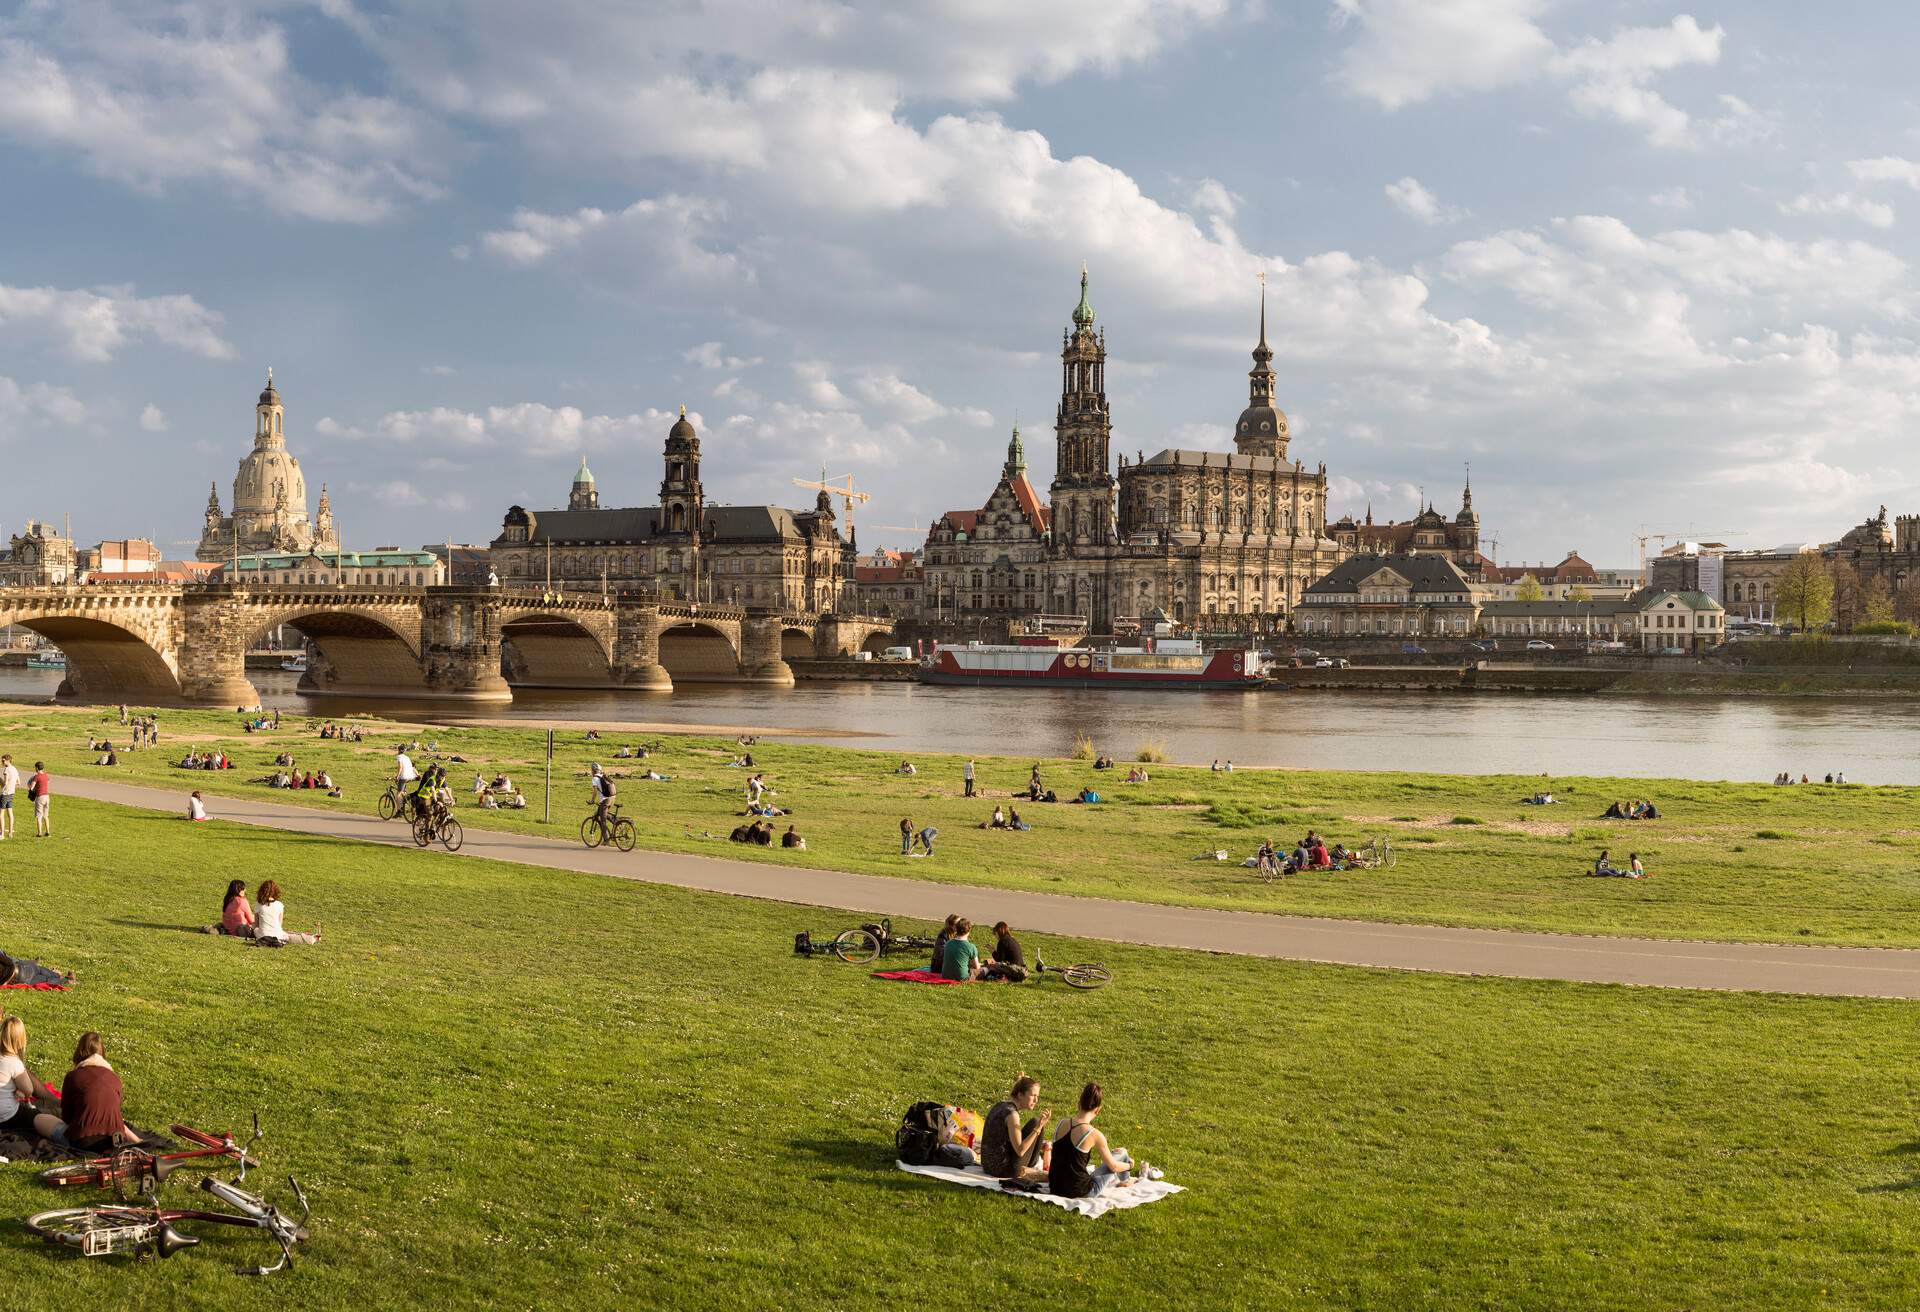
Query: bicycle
396, 801
610, 827
1080, 975
118, 1169
872, 941
438, 823
149, 1231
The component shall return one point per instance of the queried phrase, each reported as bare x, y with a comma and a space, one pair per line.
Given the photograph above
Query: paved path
1830, 971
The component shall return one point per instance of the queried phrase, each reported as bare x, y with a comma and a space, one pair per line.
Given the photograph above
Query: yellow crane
842, 487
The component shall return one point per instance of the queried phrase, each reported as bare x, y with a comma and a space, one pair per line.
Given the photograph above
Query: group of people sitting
629, 753
265, 926
346, 733
294, 779
744, 761
1542, 798
195, 759
760, 834
107, 756
1638, 809
1005, 818
957, 957
1310, 853
1603, 865
497, 793
1076, 1162
1223, 769
1785, 777
908, 768
90, 1119
1103, 762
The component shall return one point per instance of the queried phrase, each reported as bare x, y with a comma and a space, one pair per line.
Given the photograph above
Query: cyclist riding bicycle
416, 800
603, 794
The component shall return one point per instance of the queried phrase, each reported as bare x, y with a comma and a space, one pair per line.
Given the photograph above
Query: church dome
1258, 421
682, 429
267, 473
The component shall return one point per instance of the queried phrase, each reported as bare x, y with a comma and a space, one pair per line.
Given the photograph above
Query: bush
1083, 748
1466, 820
1884, 628
1153, 750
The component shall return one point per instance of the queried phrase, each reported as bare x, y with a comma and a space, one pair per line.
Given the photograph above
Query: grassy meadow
509, 1087
1815, 864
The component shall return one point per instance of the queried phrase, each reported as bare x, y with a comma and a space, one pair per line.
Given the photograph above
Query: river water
1753, 738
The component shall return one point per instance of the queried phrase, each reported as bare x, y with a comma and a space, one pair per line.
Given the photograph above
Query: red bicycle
126, 1170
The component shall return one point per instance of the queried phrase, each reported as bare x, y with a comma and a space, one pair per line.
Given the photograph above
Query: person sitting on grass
793, 840
90, 1120
762, 833
1634, 869
1010, 1150
236, 913
960, 959
196, 806
1015, 822
480, 784
1137, 776
999, 820
486, 801
1009, 958
270, 930
18, 1088
1070, 1170
907, 767
517, 801
940, 944
1603, 865
741, 834
651, 776
325, 780
1267, 859
1318, 857
1088, 797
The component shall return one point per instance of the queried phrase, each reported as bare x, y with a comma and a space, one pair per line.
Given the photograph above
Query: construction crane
845, 493
1690, 535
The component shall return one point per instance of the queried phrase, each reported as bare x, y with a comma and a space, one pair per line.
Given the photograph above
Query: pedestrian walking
968, 776
9, 783
40, 790
906, 836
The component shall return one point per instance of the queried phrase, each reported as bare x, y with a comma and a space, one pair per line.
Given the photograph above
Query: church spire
1083, 312
1261, 379
1016, 466
213, 498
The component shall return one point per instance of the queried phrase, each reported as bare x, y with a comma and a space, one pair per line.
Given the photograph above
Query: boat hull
1002, 679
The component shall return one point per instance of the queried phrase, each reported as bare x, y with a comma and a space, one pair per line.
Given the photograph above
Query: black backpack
921, 1132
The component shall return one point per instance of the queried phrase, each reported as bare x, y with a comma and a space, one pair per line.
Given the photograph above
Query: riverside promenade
1659, 963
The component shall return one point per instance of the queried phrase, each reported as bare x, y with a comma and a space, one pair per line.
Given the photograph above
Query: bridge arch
796, 644
697, 652
553, 650
355, 649
105, 661
878, 641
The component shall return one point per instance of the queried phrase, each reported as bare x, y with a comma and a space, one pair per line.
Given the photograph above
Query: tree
1528, 589
1578, 592
1876, 601
1805, 595
1847, 601
1906, 606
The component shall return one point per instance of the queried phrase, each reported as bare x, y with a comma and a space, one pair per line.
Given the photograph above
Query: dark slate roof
1427, 573
1543, 609
1214, 460
642, 523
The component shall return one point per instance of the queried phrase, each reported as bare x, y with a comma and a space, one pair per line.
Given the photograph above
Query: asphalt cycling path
1661, 963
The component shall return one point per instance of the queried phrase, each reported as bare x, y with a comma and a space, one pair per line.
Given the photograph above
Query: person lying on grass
27, 971
90, 1120
1070, 1172
1010, 1150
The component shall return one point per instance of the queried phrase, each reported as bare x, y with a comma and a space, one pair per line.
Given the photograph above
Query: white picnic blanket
1135, 1195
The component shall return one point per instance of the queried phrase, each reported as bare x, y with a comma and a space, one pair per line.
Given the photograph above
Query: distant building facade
39, 557
1689, 620
269, 497
1409, 595
1427, 533
388, 567
683, 549
989, 564
890, 585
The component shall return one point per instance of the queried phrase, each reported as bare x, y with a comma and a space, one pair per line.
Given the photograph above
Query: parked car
1342, 663
897, 654
1539, 644
1324, 663
1412, 649
1483, 646
1673, 651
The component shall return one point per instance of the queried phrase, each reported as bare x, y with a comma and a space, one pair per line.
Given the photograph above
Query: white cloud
162, 97
1887, 168
438, 370
37, 405
94, 325
153, 419
1873, 213
711, 355
1673, 198
670, 235
1414, 200
528, 426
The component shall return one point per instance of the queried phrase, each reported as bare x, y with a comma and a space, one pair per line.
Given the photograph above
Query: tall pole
546, 807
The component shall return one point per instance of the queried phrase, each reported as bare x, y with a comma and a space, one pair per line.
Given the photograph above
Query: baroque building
269, 497
40, 557
1427, 533
990, 563
1213, 539
683, 549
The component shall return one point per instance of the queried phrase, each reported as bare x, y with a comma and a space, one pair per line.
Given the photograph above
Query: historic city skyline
1607, 256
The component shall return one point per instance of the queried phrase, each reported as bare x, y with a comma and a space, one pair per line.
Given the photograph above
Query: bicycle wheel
451, 834
856, 945
386, 807
590, 832
97, 1231
1087, 975
422, 831
74, 1173
624, 836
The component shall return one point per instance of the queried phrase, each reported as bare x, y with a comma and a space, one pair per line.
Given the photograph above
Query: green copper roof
585, 476
1083, 312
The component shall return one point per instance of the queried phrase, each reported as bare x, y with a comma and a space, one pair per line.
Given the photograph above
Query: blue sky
1639, 263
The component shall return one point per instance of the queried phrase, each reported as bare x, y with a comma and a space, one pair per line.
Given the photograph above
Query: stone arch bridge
161, 643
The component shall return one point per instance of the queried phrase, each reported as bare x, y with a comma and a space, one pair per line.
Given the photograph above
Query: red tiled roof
1029, 501
878, 573
962, 520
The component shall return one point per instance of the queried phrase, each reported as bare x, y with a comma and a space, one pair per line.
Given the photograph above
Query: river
1754, 738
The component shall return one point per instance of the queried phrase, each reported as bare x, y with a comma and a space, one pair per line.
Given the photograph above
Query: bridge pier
760, 658
636, 649
213, 655
460, 645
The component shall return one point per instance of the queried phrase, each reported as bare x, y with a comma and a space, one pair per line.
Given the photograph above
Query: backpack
803, 944
921, 1132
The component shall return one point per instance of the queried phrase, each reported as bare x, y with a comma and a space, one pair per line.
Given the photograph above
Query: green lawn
1731, 861
508, 1087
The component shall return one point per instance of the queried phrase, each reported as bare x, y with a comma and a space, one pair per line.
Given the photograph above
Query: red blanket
916, 976
62, 988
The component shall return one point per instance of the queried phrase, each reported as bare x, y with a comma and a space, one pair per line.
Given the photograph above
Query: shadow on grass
855, 1159
151, 924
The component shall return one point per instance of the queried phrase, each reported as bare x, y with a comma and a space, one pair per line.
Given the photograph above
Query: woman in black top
940, 943
1071, 1174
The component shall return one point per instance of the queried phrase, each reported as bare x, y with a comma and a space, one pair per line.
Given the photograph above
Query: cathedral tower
584, 495
1082, 484
1262, 430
